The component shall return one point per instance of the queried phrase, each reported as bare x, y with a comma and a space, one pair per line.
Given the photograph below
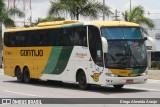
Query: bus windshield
122, 33
126, 48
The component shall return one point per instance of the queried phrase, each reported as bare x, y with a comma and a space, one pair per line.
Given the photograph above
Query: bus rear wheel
82, 82
118, 86
19, 75
26, 75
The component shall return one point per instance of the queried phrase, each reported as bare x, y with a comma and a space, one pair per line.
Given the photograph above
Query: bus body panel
123, 80
62, 62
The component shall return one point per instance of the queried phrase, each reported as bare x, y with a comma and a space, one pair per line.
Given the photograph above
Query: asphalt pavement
10, 88
154, 74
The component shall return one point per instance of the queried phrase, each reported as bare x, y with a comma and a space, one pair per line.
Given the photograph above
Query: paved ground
10, 88
154, 74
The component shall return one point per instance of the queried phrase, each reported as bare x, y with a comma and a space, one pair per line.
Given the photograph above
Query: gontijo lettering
31, 52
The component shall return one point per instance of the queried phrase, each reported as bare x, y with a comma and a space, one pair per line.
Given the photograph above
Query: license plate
130, 81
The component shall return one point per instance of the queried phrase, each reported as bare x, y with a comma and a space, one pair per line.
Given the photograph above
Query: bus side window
12, 37
75, 38
7, 39
53, 37
41, 38
20, 39
32, 38
79, 36
66, 37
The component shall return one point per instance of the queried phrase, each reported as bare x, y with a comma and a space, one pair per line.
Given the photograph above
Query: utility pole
130, 6
103, 9
116, 14
24, 6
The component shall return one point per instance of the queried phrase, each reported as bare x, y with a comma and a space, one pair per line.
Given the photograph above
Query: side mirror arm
104, 45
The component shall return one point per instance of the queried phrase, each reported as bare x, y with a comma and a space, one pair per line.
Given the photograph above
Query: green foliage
154, 64
158, 66
47, 19
5, 15
137, 16
85, 8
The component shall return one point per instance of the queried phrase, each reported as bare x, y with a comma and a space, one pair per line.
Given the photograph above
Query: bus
85, 53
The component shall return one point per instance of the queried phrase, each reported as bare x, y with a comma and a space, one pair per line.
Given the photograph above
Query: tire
82, 82
19, 75
26, 75
118, 87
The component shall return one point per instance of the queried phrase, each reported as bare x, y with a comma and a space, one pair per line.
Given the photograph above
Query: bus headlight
145, 73
111, 75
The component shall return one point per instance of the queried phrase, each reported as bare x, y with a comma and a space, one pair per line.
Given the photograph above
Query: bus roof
112, 23
59, 24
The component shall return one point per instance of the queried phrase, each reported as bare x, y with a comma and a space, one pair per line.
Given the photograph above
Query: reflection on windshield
122, 33
126, 47
126, 54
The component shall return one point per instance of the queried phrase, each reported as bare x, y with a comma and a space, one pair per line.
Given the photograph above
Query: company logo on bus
31, 52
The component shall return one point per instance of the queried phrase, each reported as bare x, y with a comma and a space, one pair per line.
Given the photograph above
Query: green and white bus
94, 52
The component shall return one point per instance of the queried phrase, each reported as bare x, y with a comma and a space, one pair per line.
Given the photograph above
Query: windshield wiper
131, 55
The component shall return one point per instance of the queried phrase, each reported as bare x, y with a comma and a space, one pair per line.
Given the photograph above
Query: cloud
40, 9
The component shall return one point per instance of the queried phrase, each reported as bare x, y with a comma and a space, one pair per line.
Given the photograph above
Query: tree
6, 20
136, 15
47, 19
5, 15
85, 8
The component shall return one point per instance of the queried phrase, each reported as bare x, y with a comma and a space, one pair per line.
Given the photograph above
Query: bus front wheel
26, 75
118, 86
82, 82
19, 75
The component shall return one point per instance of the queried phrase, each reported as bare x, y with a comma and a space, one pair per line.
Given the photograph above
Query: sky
40, 7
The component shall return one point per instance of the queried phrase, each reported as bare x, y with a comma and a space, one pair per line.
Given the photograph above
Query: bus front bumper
126, 80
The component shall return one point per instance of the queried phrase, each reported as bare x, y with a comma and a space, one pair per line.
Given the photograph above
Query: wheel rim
19, 75
26, 75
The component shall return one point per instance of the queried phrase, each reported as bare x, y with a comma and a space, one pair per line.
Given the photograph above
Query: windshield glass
122, 33
126, 48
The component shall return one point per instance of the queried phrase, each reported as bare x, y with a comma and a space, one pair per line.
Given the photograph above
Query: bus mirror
104, 44
145, 38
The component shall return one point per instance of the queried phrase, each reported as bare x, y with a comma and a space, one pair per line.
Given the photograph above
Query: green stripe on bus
58, 60
138, 71
63, 60
142, 70
53, 59
135, 71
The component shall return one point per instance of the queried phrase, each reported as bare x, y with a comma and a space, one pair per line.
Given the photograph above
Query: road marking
143, 89
22, 93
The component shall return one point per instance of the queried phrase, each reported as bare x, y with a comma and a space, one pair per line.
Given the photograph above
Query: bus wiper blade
133, 56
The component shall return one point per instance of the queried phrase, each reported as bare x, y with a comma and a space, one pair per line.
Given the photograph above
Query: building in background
153, 43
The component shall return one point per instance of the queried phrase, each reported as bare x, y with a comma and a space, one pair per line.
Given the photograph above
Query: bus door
95, 48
